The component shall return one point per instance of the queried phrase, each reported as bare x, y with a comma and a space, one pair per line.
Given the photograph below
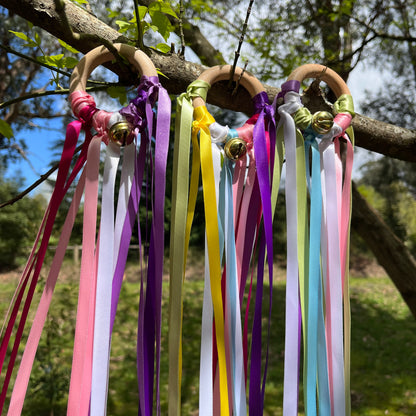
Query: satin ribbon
106, 248
320, 381
200, 125
23, 375
35, 261
80, 383
264, 155
292, 316
178, 235
149, 322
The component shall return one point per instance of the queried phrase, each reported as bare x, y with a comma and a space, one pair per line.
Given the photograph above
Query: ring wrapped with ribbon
318, 244
240, 180
104, 256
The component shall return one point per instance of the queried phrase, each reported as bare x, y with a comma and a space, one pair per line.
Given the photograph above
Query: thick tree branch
371, 134
372, 229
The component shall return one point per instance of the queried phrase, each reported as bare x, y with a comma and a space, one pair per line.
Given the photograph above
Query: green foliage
60, 60
6, 129
154, 17
390, 186
118, 93
18, 224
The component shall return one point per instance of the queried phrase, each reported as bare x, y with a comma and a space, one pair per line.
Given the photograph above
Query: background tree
18, 224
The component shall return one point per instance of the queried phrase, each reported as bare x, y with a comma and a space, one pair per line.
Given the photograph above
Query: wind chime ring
322, 121
121, 130
235, 148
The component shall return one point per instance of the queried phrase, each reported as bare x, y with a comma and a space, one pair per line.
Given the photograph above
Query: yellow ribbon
202, 120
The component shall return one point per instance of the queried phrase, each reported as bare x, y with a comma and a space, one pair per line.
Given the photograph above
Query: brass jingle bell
235, 148
322, 122
120, 132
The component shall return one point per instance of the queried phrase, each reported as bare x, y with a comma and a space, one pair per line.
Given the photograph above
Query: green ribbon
303, 118
180, 192
344, 104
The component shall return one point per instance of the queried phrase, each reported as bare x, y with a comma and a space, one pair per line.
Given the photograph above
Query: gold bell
322, 122
235, 148
120, 132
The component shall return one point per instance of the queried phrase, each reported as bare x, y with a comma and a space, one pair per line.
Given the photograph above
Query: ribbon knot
83, 106
309, 135
196, 89
198, 125
135, 111
262, 105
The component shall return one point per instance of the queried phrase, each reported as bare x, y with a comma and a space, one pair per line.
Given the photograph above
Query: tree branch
374, 135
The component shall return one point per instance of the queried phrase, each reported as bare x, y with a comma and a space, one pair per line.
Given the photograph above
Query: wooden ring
222, 73
334, 81
101, 54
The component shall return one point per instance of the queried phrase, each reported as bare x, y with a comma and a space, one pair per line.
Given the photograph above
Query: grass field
383, 353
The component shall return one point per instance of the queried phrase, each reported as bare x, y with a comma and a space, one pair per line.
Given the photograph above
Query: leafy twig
181, 13
140, 42
38, 94
239, 78
240, 43
28, 58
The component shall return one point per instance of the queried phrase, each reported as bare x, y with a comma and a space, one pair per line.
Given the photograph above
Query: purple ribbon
292, 85
140, 114
264, 165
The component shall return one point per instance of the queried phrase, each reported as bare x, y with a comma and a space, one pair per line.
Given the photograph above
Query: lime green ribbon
178, 238
344, 104
303, 118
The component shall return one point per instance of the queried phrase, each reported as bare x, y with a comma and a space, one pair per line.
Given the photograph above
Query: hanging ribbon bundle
103, 257
317, 247
240, 180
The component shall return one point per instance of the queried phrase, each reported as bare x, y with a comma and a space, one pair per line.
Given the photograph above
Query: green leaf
20, 35
119, 93
161, 7
159, 72
69, 62
162, 24
52, 60
29, 42
80, 1
124, 26
162, 47
6, 129
112, 13
142, 12
37, 39
67, 47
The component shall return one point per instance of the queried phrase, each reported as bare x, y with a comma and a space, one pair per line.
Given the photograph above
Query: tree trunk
390, 252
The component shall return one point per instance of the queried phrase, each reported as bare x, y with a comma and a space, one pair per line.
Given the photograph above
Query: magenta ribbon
63, 182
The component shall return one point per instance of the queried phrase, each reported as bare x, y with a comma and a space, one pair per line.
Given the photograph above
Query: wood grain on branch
371, 134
